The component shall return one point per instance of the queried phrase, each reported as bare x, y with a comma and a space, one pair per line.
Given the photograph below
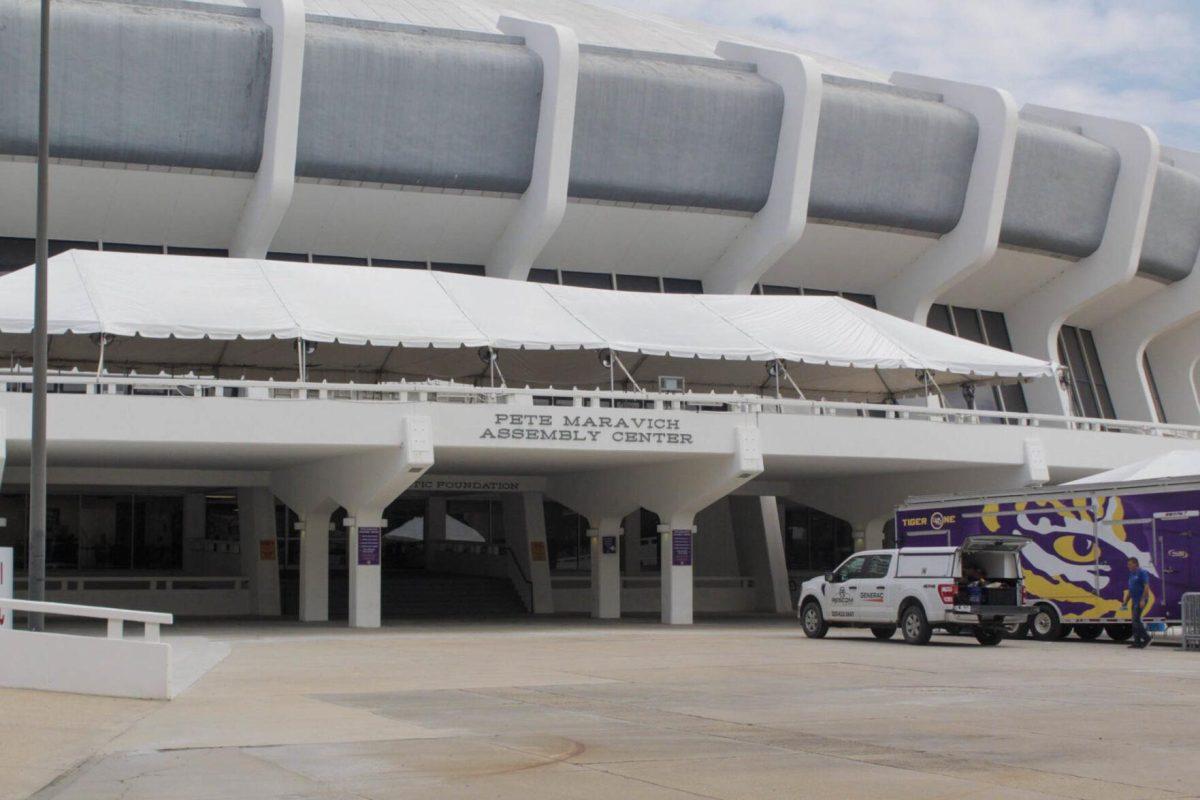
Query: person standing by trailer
1136, 594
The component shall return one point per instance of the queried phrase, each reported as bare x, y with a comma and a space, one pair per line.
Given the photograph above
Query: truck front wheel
1044, 625
989, 636
813, 621
915, 625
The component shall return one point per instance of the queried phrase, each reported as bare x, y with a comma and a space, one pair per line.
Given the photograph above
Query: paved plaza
579, 709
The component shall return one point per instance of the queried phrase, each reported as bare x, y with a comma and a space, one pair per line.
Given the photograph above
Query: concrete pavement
578, 709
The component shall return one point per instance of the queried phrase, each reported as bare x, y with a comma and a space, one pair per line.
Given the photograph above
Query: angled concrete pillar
542, 206
1121, 341
363, 483
779, 224
973, 242
276, 178
194, 508
605, 541
758, 536
1034, 321
1173, 358
313, 525
434, 529
525, 527
260, 558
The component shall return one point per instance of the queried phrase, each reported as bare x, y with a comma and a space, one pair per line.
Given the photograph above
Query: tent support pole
497, 371
100, 362
621, 364
300, 361
788, 375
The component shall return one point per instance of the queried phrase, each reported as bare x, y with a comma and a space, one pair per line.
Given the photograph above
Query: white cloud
1132, 60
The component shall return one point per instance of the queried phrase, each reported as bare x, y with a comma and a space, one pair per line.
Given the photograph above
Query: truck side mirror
830, 577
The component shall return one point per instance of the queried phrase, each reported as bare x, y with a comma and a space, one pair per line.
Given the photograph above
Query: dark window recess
211, 252
589, 280
1086, 384
1097, 373
984, 327
396, 264
1158, 404
118, 247
939, 319
543, 276
350, 261
819, 293
638, 283
867, 300
682, 286
287, 257
769, 289
814, 542
16, 253
460, 269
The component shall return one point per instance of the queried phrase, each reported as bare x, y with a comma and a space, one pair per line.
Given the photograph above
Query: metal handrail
406, 392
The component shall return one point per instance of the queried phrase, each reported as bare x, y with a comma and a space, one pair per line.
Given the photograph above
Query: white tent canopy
188, 297
414, 531
1175, 464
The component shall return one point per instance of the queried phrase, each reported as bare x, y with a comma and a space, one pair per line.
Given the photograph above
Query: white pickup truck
978, 585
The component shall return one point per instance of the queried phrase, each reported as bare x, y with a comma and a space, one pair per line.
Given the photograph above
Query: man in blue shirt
1139, 580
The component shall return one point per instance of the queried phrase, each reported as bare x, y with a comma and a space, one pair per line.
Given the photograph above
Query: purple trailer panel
1080, 545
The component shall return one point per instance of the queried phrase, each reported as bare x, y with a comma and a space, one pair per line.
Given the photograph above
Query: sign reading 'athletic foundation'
586, 429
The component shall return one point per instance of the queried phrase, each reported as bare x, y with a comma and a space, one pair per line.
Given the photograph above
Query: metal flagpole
37, 464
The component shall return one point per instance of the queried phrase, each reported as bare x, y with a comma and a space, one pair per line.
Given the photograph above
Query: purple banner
368, 546
681, 548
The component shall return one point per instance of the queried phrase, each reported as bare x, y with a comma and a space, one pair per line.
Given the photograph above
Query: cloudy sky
1132, 59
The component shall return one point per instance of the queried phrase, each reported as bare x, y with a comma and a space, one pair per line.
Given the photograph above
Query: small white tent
414, 531
1175, 464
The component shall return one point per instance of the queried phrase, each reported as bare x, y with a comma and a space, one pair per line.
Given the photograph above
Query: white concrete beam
260, 557
973, 242
544, 203
525, 527
779, 224
1035, 320
1173, 358
313, 525
276, 179
1122, 340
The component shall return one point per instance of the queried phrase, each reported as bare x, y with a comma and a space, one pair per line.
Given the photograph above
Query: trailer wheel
813, 621
1089, 633
915, 625
989, 636
1045, 625
1118, 632
883, 632
1064, 631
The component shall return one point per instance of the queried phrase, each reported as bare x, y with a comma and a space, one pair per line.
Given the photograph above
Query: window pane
966, 321
1076, 408
62, 532
389, 262
117, 247
867, 300
348, 260
461, 269
103, 543
198, 251
996, 328
638, 283
877, 566
543, 276
274, 256
769, 289
682, 286
1158, 406
158, 533
819, 293
939, 319
15, 533
1096, 371
1014, 398
590, 280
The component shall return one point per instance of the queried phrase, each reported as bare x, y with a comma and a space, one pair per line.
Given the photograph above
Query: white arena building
373, 309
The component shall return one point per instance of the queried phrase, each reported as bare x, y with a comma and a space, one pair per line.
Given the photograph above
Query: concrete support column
1173, 359
314, 565
194, 520
758, 536
606, 568
974, 240
1122, 340
525, 526
434, 527
544, 202
779, 224
275, 181
260, 558
631, 549
676, 543
364, 547
1034, 320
